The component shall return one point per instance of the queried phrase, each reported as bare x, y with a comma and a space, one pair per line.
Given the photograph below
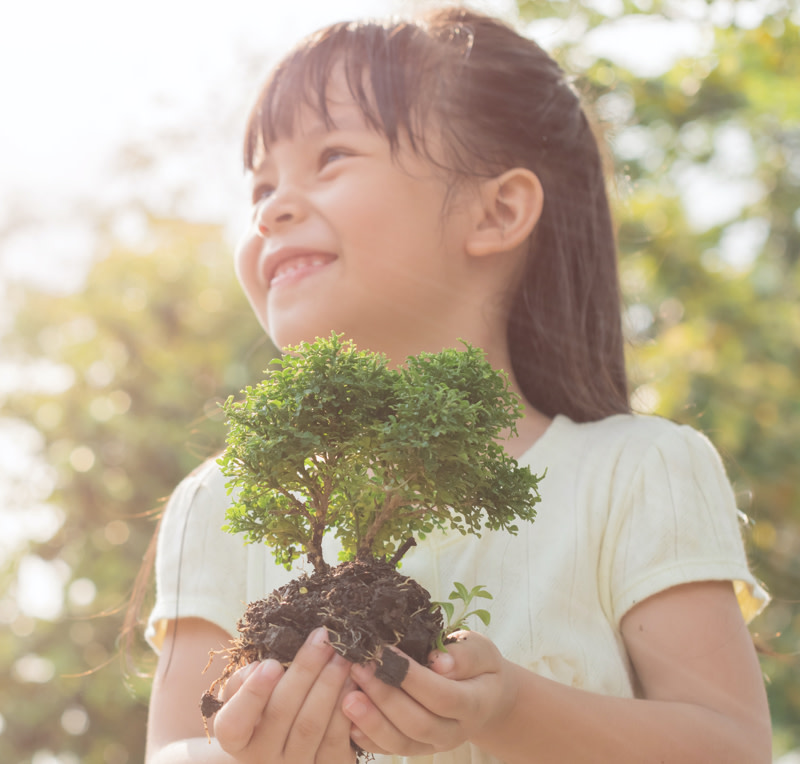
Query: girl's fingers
363, 741
289, 695
311, 730
374, 732
438, 706
435, 691
295, 721
399, 720
335, 745
231, 687
237, 720
470, 655
285, 714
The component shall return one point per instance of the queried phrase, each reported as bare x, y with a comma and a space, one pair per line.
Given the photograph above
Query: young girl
415, 185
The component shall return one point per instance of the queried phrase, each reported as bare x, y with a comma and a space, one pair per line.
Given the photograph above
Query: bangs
391, 71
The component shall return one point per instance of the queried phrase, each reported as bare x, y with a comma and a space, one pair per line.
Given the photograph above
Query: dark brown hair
499, 101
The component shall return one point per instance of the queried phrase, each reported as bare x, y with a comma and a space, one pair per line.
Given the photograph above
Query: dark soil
365, 606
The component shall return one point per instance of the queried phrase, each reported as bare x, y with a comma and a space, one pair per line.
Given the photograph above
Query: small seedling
460, 592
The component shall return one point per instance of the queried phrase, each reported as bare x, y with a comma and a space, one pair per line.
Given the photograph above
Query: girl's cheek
246, 261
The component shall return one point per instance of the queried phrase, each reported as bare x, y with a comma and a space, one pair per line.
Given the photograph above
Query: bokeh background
121, 327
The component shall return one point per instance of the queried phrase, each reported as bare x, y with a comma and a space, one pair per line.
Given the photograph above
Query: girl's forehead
351, 92
324, 106
312, 109
337, 109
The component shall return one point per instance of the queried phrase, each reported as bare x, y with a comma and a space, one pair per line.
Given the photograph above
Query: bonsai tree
333, 440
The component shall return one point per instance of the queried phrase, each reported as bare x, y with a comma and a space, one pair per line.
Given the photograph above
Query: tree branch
393, 501
404, 547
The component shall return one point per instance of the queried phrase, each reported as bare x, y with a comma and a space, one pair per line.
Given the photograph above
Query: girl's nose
277, 211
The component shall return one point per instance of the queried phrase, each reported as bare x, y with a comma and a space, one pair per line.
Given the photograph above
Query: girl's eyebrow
343, 124
264, 156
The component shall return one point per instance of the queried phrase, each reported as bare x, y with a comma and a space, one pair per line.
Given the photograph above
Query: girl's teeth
297, 264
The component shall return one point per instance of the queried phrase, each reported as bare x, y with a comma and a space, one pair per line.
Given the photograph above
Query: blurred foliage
706, 158
707, 168
156, 340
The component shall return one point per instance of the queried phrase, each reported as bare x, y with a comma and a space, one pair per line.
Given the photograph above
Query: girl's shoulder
202, 490
625, 428
621, 440
208, 474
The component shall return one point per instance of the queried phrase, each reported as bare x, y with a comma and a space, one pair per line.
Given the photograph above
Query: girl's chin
284, 336
289, 328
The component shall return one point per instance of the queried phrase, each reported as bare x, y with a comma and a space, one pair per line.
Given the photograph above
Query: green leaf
484, 615
460, 592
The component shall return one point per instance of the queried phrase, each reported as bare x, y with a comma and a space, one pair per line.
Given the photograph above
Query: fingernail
443, 663
356, 734
320, 636
248, 669
354, 708
271, 669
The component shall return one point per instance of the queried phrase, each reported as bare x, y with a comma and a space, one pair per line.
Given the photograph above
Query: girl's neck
529, 429
533, 423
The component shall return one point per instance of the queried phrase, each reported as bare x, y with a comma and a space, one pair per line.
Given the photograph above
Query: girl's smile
288, 265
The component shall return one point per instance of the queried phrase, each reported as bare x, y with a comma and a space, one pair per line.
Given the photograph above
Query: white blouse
630, 506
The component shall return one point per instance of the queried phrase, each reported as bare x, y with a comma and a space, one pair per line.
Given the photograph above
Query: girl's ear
511, 205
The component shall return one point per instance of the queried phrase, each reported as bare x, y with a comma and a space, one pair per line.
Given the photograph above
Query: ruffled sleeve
201, 572
676, 523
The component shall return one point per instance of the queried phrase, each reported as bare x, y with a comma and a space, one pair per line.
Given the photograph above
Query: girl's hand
437, 708
276, 716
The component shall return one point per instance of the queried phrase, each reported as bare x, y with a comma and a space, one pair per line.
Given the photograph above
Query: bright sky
78, 79
81, 77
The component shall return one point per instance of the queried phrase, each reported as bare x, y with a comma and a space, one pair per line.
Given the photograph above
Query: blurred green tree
706, 161
153, 343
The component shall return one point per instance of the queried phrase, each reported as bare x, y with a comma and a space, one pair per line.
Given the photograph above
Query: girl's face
346, 236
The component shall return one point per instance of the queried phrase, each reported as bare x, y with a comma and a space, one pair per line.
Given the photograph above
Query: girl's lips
288, 264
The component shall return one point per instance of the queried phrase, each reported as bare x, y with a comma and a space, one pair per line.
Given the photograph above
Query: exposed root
364, 605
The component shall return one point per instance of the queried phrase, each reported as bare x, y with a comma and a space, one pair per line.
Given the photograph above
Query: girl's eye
331, 155
262, 192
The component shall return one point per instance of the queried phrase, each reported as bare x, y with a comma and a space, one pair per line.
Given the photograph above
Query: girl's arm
694, 660
270, 716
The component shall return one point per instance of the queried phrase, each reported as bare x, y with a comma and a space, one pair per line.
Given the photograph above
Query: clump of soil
364, 605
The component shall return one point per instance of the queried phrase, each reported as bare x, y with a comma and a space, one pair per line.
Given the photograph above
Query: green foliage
334, 438
712, 277
711, 272
455, 623
148, 350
